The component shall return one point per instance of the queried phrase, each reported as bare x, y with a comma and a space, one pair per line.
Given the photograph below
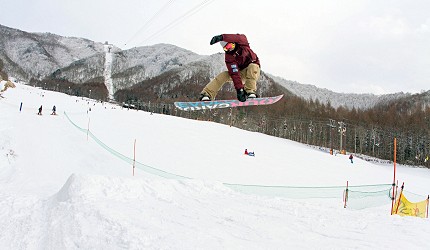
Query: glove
216, 39
241, 95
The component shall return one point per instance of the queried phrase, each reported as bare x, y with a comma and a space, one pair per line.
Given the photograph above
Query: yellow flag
407, 208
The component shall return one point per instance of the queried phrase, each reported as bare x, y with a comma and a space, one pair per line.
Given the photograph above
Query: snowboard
217, 104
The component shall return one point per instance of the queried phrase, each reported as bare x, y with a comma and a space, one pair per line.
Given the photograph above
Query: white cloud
386, 25
424, 27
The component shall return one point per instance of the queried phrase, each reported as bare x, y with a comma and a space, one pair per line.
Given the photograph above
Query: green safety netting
364, 192
413, 197
358, 196
139, 165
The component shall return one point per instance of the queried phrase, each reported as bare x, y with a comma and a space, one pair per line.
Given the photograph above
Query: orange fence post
134, 156
400, 196
394, 178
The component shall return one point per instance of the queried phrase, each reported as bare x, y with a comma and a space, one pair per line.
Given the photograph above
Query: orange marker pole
394, 178
400, 196
134, 157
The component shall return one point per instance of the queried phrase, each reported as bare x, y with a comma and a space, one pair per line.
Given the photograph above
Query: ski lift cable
145, 25
180, 19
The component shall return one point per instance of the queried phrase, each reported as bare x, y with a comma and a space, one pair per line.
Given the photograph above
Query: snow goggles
229, 47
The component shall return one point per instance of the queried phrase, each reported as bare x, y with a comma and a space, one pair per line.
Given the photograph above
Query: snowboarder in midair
243, 68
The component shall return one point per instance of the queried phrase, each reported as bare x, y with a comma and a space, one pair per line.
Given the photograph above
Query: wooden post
88, 129
428, 196
345, 197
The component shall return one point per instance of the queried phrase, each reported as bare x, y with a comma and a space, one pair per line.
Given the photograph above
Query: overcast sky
354, 46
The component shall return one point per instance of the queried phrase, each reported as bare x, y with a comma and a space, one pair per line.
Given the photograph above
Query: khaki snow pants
249, 76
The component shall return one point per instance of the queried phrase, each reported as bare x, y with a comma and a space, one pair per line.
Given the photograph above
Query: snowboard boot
241, 95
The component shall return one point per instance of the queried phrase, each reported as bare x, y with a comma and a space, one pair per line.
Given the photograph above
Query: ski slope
60, 189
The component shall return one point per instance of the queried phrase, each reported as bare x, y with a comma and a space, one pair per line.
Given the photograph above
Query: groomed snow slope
60, 190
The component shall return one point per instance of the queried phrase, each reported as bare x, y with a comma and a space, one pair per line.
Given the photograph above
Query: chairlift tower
342, 133
107, 73
332, 125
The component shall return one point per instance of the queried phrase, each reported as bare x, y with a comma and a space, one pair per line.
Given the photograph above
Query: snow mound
80, 188
98, 212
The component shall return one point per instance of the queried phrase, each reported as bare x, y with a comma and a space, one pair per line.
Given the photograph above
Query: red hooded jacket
239, 58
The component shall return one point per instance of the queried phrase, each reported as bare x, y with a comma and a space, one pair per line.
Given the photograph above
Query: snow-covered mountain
44, 55
36, 55
129, 67
361, 101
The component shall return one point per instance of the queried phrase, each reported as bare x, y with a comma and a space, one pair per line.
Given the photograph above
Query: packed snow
62, 189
